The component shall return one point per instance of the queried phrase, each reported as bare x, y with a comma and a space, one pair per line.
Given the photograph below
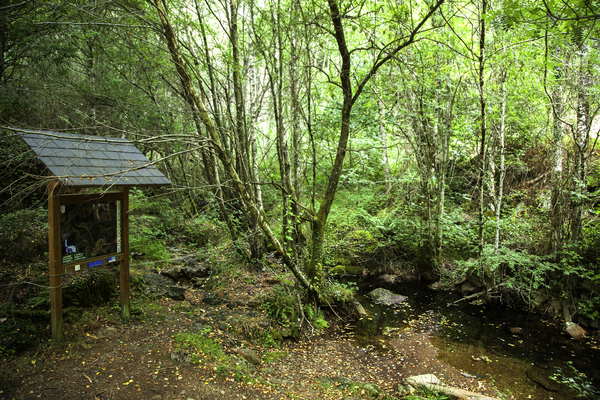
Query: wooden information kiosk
89, 230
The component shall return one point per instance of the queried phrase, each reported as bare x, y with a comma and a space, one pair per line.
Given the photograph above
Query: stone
359, 309
181, 356
345, 270
542, 380
387, 279
555, 308
160, 286
338, 270
386, 297
515, 330
172, 273
539, 300
175, 292
583, 321
249, 355
195, 272
435, 286
575, 331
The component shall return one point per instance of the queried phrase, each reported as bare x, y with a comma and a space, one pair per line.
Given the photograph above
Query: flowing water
478, 340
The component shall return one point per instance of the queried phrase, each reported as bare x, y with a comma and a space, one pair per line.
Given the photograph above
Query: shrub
202, 230
24, 234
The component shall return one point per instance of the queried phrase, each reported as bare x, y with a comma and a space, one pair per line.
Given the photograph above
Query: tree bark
192, 95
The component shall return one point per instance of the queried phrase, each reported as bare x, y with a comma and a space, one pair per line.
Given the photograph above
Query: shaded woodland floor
145, 359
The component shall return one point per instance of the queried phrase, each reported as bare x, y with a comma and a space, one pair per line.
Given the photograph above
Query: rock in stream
386, 297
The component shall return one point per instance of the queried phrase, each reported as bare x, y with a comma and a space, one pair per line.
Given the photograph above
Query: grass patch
273, 355
202, 346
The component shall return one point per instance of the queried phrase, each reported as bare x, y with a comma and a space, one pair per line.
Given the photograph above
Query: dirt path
135, 361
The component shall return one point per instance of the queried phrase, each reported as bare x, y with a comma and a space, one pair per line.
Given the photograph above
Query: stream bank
510, 349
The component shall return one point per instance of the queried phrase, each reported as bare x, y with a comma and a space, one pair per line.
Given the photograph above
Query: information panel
89, 230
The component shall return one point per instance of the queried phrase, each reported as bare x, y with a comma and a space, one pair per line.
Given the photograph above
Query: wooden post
124, 270
54, 243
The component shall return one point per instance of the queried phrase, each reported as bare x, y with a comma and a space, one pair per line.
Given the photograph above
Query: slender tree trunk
482, 133
191, 94
384, 153
556, 197
502, 166
240, 115
581, 144
445, 117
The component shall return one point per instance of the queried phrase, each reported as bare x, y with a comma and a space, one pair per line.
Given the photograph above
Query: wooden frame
58, 269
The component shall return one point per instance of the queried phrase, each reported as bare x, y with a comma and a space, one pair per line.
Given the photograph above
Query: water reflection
513, 350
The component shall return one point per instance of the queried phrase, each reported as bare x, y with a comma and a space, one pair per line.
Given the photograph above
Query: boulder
543, 380
172, 273
201, 271
161, 286
516, 330
248, 355
387, 279
386, 297
346, 270
575, 331
359, 309
555, 308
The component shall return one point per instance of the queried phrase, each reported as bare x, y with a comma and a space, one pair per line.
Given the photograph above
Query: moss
342, 260
338, 270
364, 240
353, 270
345, 270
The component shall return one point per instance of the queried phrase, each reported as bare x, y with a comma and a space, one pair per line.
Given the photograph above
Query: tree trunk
580, 139
383, 137
192, 95
502, 166
556, 197
482, 133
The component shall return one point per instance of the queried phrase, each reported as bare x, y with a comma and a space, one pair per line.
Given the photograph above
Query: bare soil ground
133, 360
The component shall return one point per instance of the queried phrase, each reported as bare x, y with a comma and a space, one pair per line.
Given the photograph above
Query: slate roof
82, 160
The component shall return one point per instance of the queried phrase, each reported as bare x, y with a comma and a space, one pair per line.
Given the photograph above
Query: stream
513, 350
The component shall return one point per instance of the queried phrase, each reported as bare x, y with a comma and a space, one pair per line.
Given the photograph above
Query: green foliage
281, 304
17, 335
514, 270
24, 234
203, 346
273, 356
590, 308
90, 288
18, 166
157, 223
341, 292
316, 316
154, 225
577, 381
203, 230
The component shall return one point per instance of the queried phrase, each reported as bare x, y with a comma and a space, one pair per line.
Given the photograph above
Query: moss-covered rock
364, 241
346, 270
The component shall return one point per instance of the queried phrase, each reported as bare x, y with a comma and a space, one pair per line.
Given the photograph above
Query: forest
447, 142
